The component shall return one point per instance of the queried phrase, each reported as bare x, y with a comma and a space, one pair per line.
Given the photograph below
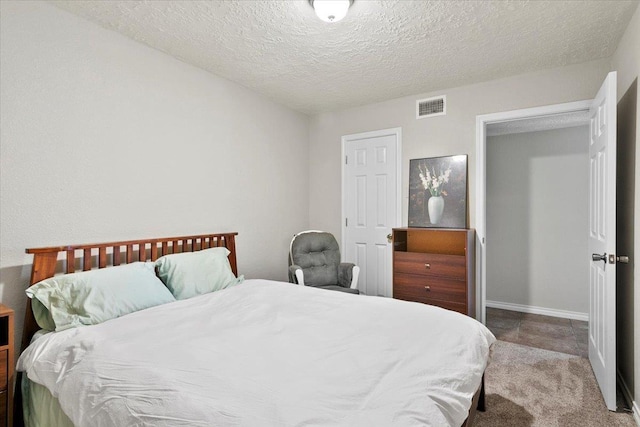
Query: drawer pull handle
427, 266
427, 288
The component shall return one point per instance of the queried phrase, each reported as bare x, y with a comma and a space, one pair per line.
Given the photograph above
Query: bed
258, 353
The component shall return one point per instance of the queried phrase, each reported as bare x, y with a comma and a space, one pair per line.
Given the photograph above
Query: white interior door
602, 239
371, 206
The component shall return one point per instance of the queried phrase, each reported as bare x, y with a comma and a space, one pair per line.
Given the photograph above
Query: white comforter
267, 354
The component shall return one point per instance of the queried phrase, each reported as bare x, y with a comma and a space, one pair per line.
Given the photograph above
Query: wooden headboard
101, 255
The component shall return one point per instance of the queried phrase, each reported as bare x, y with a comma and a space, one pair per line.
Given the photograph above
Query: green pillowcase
195, 273
94, 296
42, 315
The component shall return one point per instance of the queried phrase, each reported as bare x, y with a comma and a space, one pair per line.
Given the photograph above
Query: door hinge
346, 160
346, 222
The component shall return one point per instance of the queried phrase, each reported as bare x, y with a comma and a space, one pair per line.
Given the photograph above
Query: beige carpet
527, 386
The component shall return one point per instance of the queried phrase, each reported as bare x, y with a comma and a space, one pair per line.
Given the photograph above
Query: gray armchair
314, 260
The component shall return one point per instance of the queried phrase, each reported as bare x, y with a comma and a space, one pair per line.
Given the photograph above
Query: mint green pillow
195, 273
42, 315
94, 296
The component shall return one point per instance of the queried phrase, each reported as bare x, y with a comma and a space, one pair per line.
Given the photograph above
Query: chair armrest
296, 275
348, 275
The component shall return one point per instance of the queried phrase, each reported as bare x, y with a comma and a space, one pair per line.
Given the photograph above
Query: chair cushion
318, 255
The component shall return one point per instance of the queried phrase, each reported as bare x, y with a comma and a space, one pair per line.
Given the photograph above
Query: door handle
622, 259
389, 237
603, 257
596, 257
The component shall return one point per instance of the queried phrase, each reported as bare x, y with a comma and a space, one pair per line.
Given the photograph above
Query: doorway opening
498, 123
537, 214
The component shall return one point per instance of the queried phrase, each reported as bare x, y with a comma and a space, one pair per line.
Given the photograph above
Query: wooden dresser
435, 266
6, 366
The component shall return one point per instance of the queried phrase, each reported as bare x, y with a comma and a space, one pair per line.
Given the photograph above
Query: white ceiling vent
436, 106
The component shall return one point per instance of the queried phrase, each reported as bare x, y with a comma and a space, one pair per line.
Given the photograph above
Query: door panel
602, 232
370, 205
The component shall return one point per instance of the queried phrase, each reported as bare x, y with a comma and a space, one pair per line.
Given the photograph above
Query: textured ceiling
381, 50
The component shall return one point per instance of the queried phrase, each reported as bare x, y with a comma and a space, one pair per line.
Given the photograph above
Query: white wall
437, 136
537, 190
626, 61
106, 139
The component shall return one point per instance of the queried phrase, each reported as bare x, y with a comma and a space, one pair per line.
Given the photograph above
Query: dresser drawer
3, 408
453, 266
449, 305
416, 288
460, 308
3, 369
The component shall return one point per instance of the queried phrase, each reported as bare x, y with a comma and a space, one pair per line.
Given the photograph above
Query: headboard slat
116, 255
45, 260
129, 254
102, 257
86, 259
71, 261
142, 252
231, 245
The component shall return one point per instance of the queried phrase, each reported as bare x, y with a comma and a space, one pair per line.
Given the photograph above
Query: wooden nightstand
6, 366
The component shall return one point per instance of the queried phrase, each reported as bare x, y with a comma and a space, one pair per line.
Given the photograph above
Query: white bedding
267, 353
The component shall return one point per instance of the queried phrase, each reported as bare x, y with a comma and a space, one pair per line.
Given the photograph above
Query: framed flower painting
438, 192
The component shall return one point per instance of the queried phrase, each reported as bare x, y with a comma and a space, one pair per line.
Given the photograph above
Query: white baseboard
575, 315
627, 396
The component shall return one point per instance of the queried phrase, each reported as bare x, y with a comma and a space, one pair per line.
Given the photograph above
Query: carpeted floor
527, 386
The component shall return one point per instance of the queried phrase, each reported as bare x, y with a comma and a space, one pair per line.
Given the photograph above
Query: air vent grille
436, 106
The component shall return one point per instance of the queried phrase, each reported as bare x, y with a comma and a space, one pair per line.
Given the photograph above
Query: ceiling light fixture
331, 10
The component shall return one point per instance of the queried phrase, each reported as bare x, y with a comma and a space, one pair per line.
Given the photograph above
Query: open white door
602, 239
371, 206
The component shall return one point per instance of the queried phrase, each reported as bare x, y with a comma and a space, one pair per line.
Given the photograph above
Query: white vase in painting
436, 207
